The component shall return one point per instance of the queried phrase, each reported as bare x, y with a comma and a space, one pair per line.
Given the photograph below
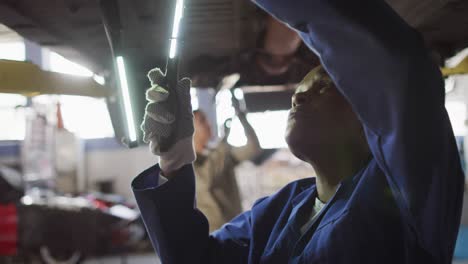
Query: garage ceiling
73, 28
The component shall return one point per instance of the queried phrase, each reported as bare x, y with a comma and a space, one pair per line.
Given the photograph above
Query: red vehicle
63, 228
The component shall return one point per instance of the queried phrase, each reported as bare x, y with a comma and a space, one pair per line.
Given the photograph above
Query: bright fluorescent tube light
173, 51
126, 99
175, 28
177, 17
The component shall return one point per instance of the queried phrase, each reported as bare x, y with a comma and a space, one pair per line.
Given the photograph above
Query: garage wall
114, 162
101, 159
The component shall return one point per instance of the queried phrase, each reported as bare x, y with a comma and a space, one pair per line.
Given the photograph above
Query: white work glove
161, 125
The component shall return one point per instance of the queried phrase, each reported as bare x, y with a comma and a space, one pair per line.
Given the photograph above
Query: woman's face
320, 117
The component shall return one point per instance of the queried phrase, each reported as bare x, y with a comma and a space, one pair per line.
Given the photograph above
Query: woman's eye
322, 87
322, 90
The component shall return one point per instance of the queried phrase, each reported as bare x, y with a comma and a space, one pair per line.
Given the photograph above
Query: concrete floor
152, 259
131, 259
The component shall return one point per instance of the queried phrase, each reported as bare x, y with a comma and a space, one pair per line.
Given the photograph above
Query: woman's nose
298, 99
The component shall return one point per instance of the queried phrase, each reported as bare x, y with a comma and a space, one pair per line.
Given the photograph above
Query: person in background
217, 191
371, 121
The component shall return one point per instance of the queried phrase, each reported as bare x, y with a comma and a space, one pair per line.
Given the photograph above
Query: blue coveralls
403, 207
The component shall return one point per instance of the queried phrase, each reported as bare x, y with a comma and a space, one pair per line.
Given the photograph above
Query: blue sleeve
380, 64
178, 231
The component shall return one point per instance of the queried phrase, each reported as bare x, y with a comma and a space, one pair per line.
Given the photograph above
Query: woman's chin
296, 146
296, 136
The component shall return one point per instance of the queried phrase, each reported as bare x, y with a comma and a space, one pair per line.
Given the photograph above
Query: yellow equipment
28, 79
461, 68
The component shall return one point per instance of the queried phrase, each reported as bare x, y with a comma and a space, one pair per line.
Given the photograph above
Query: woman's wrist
182, 153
